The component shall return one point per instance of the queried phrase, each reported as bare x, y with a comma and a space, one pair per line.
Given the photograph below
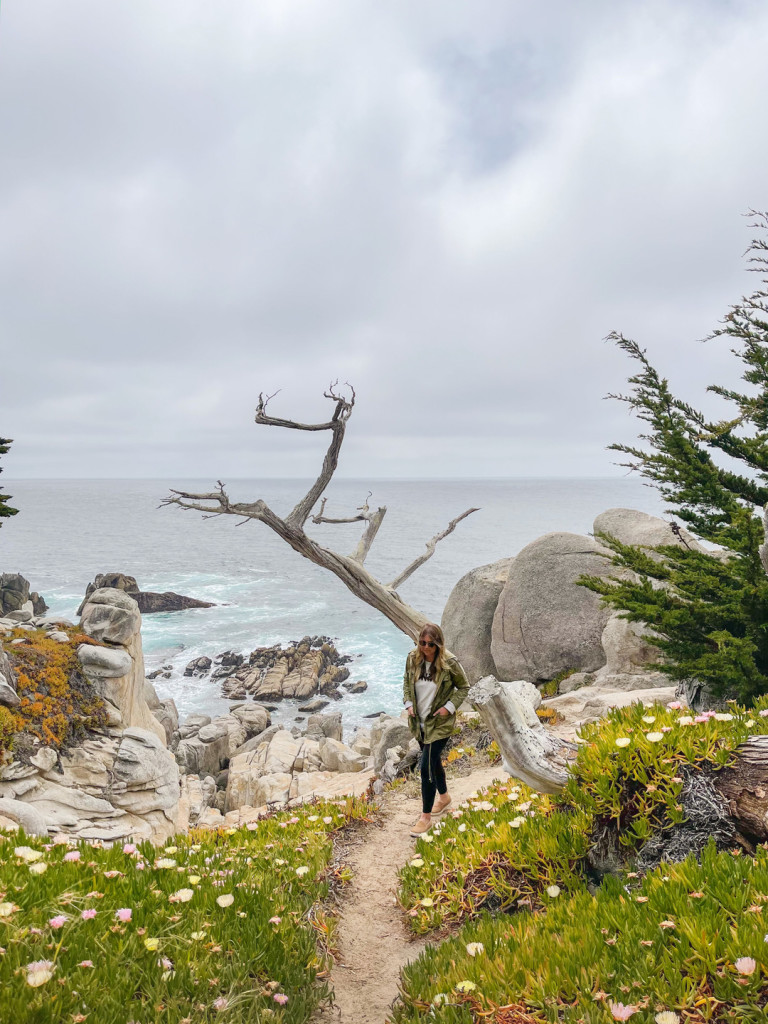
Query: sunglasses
427, 643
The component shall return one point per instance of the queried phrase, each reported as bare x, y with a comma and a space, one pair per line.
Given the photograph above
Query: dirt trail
373, 941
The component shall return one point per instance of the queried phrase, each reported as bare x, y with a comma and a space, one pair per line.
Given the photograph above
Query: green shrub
510, 844
220, 925
690, 940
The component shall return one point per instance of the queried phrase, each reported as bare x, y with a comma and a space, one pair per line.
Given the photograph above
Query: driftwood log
532, 754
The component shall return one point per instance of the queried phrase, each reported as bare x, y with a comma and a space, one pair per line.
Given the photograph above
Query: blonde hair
433, 632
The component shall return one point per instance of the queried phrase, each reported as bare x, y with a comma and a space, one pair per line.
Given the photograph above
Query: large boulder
467, 620
629, 526
388, 733
117, 670
544, 622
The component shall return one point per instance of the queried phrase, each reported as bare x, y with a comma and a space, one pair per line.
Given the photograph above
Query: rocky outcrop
544, 622
297, 671
16, 596
118, 786
206, 746
149, 603
117, 670
467, 620
286, 767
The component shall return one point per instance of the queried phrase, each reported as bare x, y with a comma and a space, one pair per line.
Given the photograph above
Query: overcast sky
447, 203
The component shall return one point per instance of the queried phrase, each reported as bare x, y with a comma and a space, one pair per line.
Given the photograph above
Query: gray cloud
448, 204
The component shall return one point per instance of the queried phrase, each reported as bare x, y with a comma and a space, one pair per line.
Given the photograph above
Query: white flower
684, 720
29, 855
6, 909
490, 824
517, 822
225, 900
650, 719
417, 862
667, 1017
654, 737
462, 828
39, 971
474, 948
623, 741
38, 868
165, 862
722, 717
439, 999
182, 896
302, 871
553, 891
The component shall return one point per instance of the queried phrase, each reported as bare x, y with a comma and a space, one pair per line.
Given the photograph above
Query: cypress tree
5, 509
709, 611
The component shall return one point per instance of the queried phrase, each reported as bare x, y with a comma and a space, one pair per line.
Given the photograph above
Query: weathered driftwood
350, 569
530, 753
745, 787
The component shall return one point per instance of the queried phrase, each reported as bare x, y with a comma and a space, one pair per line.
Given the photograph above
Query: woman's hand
411, 711
444, 712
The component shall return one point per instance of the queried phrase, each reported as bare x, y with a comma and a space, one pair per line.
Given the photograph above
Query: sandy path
373, 941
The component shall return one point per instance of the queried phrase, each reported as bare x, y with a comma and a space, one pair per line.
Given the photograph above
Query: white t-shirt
426, 688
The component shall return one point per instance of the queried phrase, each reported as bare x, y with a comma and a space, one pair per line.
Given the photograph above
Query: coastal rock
545, 623
629, 526
198, 667
591, 703
361, 742
253, 717
297, 671
112, 617
387, 734
316, 704
467, 620
25, 815
359, 686
15, 594
328, 724
337, 757
148, 602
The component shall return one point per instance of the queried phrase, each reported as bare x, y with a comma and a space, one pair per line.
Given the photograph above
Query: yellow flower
197, 936
417, 862
194, 879
427, 902
466, 986
170, 849
151, 944
623, 741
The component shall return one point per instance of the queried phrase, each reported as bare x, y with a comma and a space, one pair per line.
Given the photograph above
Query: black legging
432, 773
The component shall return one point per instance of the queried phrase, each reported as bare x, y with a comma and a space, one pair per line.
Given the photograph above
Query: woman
434, 687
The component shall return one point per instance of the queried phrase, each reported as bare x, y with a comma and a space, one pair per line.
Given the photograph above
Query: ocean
67, 531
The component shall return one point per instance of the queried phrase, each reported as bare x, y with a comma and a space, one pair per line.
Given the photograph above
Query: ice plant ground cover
510, 844
218, 926
688, 942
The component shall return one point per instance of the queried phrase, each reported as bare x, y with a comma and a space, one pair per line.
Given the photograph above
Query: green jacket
452, 686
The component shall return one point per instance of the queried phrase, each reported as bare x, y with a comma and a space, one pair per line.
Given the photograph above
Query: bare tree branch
431, 545
348, 568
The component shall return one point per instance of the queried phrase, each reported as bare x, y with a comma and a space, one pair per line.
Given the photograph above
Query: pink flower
274, 920
85, 963
763, 713
674, 705
280, 998
72, 855
123, 914
745, 965
88, 914
621, 1012
701, 718
59, 921
221, 1003
129, 848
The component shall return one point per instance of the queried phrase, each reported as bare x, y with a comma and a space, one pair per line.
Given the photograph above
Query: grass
689, 942
224, 926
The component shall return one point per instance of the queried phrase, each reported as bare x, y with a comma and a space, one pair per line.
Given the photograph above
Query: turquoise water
69, 530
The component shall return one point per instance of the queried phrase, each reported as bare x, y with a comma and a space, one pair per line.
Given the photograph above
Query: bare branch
364, 544
431, 545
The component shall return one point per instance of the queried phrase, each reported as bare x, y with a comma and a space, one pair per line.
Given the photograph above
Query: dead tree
350, 569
